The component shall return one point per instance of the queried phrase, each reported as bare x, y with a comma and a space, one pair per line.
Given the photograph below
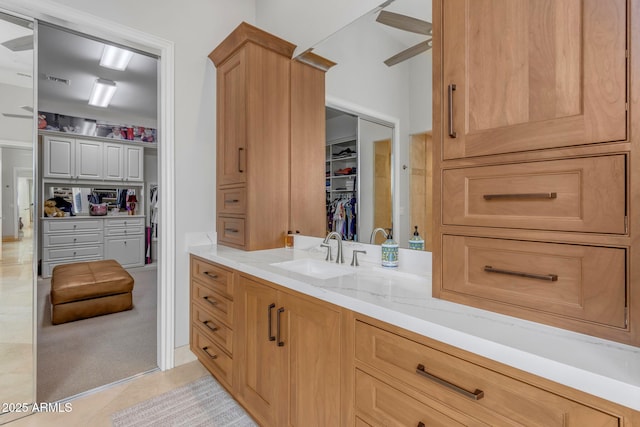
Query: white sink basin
314, 268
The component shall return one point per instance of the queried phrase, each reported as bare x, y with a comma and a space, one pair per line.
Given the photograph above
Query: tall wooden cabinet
533, 152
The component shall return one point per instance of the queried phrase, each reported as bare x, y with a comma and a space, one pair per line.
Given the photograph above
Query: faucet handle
326, 245
354, 260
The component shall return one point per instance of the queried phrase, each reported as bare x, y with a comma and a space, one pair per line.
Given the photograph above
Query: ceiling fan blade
404, 22
409, 53
17, 116
19, 44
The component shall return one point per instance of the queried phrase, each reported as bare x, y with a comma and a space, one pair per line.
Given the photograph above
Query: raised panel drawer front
66, 225
216, 303
71, 239
124, 231
472, 389
126, 221
212, 356
72, 253
231, 230
586, 194
384, 406
206, 320
580, 282
214, 276
232, 200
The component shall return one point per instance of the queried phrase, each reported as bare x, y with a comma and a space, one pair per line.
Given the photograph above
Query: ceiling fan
19, 44
406, 23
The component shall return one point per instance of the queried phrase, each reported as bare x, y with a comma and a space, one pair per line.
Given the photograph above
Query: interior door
532, 74
17, 373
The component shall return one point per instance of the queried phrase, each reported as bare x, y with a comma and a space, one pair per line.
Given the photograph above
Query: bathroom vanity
370, 346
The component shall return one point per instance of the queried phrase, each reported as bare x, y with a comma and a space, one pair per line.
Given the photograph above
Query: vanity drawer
488, 396
215, 303
232, 200
580, 282
586, 194
71, 239
66, 225
382, 405
231, 230
212, 326
214, 276
212, 356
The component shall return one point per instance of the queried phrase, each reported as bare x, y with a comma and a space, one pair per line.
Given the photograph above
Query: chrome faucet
338, 237
376, 231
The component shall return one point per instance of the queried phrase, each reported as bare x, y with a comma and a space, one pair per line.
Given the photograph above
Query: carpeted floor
78, 356
202, 403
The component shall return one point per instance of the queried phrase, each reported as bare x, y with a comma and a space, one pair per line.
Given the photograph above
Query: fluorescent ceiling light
115, 58
102, 92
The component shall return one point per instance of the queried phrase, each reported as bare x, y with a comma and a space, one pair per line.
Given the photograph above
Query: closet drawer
209, 323
124, 221
65, 225
586, 194
231, 230
382, 405
122, 231
72, 253
215, 303
212, 356
232, 200
488, 396
71, 239
213, 275
581, 282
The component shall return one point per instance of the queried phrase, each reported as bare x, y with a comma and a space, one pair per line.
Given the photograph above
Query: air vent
58, 80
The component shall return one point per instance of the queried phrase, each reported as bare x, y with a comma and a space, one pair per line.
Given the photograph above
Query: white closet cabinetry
123, 162
124, 240
69, 158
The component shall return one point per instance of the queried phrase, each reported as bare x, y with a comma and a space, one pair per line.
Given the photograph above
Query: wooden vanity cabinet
288, 355
533, 147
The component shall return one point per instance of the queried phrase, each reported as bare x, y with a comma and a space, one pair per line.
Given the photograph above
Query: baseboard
183, 355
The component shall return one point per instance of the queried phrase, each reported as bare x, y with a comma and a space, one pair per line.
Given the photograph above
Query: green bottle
416, 242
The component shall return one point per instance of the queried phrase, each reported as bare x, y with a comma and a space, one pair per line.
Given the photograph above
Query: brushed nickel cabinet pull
475, 395
212, 302
271, 307
231, 230
211, 275
452, 133
206, 350
240, 152
280, 342
547, 277
211, 328
521, 196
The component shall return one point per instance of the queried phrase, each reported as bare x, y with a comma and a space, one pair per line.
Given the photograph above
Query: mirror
397, 96
17, 373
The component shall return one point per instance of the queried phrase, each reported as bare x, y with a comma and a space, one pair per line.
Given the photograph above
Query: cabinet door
260, 361
133, 163
532, 74
88, 159
128, 251
59, 158
310, 336
113, 162
232, 117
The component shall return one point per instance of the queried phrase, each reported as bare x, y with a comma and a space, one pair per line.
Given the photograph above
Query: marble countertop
403, 298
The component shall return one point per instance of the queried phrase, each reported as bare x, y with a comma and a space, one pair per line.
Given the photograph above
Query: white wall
11, 158
195, 27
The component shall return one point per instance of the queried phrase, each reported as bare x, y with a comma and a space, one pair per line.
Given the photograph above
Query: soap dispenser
416, 242
389, 251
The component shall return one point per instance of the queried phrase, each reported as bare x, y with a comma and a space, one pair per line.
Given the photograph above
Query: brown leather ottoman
87, 289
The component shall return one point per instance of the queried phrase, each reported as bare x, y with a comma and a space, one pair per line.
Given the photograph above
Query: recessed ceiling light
102, 92
115, 58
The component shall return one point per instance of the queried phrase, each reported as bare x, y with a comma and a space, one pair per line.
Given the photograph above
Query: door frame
19, 172
73, 19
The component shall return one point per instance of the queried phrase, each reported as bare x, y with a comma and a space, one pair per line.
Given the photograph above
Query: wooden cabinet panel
216, 303
581, 282
383, 405
586, 194
212, 356
231, 231
213, 276
485, 394
532, 74
232, 200
207, 320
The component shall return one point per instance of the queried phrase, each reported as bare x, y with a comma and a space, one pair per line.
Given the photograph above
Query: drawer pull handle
206, 350
211, 328
521, 196
231, 230
271, 307
547, 277
240, 154
421, 424
475, 395
212, 302
452, 132
211, 275
280, 342
232, 201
